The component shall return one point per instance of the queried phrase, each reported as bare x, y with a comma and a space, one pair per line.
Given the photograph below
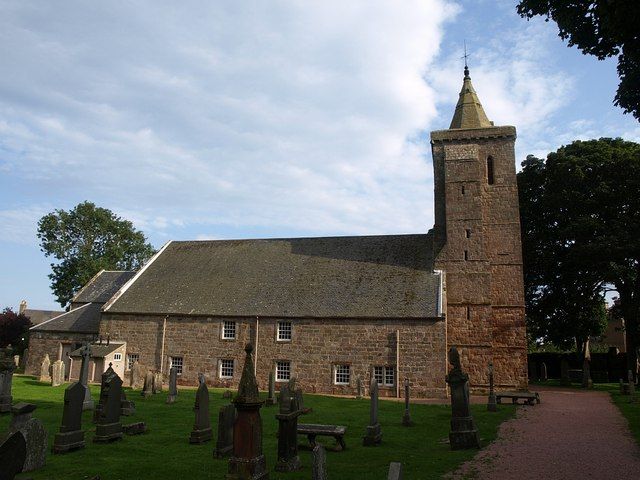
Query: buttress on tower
477, 243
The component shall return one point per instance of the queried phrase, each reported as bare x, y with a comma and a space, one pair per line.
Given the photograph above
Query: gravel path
572, 434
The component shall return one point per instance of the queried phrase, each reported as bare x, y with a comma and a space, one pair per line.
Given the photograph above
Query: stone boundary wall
42, 343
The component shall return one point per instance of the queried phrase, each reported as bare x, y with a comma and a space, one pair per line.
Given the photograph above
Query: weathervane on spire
465, 56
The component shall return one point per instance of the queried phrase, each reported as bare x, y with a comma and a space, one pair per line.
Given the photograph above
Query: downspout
397, 363
164, 330
255, 359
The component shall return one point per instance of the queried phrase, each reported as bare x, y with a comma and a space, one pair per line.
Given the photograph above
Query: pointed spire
248, 387
469, 112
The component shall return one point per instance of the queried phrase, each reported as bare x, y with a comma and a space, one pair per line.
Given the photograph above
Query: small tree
14, 329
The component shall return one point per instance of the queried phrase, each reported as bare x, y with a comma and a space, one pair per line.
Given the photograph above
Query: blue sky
263, 119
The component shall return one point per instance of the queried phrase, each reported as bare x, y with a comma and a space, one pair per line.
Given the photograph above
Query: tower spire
469, 112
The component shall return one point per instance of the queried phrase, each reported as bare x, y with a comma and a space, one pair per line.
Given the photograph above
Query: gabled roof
469, 112
102, 286
388, 276
39, 316
84, 319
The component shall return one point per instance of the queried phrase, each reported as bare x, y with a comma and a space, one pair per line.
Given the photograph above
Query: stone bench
313, 430
528, 397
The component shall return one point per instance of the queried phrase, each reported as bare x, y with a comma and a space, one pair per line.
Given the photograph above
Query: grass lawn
164, 452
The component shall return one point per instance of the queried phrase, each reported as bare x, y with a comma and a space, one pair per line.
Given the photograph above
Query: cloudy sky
234, 119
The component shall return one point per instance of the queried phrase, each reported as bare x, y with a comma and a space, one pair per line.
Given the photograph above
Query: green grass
164, 452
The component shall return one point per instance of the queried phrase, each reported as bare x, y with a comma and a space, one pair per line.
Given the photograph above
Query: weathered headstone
16, 360
84, 377
373, 434
287, 416
632, 387
202, 427
136, 375
319, 463
45, 369
587, 382
13, 452
247, 461
108, 427
71, 436
406, 416
464, 433
271, 398
300, 400
57, 373
34, 433
395, 471
7, 367
226, 419
173, 385
564, 372
359, 388
23, 360
127, 407
492, 404
147, 390
157, 382
135, 428
543, 372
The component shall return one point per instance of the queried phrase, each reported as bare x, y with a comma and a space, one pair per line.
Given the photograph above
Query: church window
283, 371
226, 368
385, 375
284, 331
342, 374
117, 357
490, 178
131, 359
177, 363
229, 330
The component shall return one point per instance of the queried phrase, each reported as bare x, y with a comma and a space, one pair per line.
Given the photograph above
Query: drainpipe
255, 359
164, 330
398, 363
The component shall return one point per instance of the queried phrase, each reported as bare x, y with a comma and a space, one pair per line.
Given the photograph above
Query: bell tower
477, 242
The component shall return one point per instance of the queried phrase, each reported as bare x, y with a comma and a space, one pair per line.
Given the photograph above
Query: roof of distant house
84, 319
39, 316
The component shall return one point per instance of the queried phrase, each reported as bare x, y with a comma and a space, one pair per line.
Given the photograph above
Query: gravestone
71, 436
247, 460
13, 452
84, 377
464, 433
16, 360
202, 427
587, 382
395, 471
108, 427
632, 387
227, 394
45, 369
492, 404
319, 463
7, 367
287, 416
34, 433
373, 434
226, 419
57, 373
136, 375
271, 399
406, 417
543, 372
564, 372
359, 388
135, 428
147, 390
173, 385
300, 400
157, 382
127, 407
23, 360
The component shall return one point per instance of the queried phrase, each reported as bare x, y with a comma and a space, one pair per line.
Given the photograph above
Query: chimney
23, 307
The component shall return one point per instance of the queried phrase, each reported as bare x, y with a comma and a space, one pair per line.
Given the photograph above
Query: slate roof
98, 350
39, 316
102, 286
388, 276
84, 319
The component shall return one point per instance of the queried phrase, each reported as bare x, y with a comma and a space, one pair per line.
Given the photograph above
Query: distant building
37, 316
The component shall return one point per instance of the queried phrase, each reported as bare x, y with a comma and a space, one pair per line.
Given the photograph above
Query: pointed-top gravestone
34, 433
492, 405
202, 427
84, 376
271, 399
319, 463
464, 433
289, 411
45, 369
7, 367
173, 385
406, 417
13, 452
373, 435
57, 373
247, 461
71, 436
147, 390
108, 427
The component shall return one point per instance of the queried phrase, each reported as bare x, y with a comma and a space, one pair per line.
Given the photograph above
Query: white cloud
19, 225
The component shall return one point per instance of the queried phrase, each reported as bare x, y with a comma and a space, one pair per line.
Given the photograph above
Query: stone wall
43, 343
316, 346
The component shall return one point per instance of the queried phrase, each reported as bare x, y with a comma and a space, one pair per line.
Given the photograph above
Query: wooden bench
312, 430
528, 397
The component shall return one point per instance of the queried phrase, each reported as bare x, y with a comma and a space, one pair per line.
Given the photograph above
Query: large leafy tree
580, 214
84, 241
14, 329
604, 28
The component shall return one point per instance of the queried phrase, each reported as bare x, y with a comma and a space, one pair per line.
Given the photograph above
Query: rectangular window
385, 376
283, 371
284, 331
229, 330
226, 368
466, 254
176, 362
131, 359
468, 233
342, 374
117, 357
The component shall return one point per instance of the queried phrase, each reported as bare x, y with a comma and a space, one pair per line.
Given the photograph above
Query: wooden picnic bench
528, 397
312, 430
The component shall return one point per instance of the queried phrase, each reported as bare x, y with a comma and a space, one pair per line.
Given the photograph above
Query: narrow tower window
462, 189
490, 170
466, 254
467, 232
468, 312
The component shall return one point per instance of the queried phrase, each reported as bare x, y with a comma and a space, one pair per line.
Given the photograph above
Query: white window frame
340, 370
222, 367
228, 336
179, 365
131, 359
283, 370
284, 331
382, 373
117, 357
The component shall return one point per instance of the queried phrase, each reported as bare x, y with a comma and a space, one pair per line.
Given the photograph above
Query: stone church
331, 310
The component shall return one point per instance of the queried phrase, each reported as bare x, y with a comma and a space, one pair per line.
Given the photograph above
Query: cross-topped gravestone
173, 385
319, 463
289, 411
373, 435
85, 351
226, 419
492, 404
71, 436
34, 433
109, 428
13, 452
57, 373
202, 427
45, 369
464, 433
147, 390
247, 461
7, 367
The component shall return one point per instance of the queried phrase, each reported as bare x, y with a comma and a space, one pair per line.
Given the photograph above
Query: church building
331, 310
